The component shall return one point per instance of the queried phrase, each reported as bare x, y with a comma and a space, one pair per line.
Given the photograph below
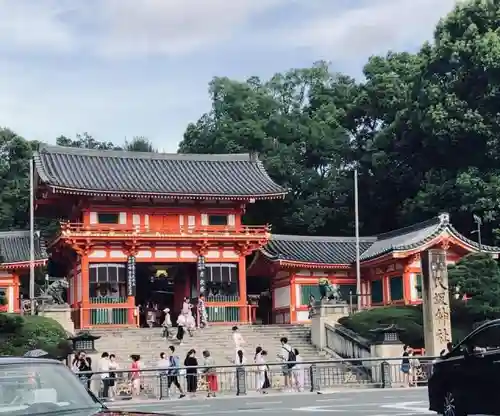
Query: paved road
362, 402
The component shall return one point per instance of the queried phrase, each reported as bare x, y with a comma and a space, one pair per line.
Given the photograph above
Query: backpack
291, 359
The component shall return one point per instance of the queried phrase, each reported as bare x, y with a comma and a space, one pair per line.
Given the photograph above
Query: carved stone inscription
436, 297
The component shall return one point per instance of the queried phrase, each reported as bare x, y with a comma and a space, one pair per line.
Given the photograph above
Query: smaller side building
390, 266
15, 264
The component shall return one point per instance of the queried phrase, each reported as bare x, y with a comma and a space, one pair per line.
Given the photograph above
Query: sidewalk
225, 396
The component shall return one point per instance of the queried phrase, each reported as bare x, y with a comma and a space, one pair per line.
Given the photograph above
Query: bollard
313, 375
241, 381
164, 391
385, 371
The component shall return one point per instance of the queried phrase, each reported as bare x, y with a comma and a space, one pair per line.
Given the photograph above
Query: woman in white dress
260, 370
298, 371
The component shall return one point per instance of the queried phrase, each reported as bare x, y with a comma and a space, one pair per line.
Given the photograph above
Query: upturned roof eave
167, 195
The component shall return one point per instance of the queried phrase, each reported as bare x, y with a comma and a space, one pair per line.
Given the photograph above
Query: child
210, 374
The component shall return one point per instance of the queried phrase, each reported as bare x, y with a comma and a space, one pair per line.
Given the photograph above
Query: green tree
139, 144
85, 141
15, 153
439, 146
302, 144
477, 276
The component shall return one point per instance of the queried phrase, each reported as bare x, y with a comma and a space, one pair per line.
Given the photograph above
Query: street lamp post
358, 264
479, 223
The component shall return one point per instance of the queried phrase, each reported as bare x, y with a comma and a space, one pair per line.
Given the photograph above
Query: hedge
408, 318
20, 334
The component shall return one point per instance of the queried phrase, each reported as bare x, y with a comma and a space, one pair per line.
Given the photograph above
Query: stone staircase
148, 343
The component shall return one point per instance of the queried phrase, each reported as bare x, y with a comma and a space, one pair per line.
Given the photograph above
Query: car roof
493, 322
27, 360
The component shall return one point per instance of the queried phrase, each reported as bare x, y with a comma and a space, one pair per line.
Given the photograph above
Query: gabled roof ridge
319, 239
124, 154
409, 229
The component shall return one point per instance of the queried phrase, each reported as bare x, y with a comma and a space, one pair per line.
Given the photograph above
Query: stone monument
436, 301
53, 305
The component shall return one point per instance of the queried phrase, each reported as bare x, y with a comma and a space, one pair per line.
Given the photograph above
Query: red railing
185, 232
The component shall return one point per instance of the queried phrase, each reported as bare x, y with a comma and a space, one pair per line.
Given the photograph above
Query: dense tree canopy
421, 128
476, 278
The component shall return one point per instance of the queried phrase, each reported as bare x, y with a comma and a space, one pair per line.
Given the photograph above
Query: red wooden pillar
242, 285
85, 301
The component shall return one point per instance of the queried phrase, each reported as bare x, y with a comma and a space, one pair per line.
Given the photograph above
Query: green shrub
19, 334
408, 318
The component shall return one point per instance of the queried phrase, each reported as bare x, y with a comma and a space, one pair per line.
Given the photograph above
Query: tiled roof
342, 250
323, 250
109, 172
414, 236
15, 247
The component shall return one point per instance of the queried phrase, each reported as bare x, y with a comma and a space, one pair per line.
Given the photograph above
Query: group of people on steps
292, 369
186, 321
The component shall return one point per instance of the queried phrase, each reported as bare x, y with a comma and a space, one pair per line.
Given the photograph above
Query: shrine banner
131, 276
200, 269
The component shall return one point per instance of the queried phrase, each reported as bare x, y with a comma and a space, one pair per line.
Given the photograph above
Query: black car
39, 386
466, 380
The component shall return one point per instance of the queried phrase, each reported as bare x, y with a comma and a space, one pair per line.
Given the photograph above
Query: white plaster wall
282, 297
303, 316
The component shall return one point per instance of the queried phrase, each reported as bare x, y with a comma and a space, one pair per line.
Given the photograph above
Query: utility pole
32, 237
479, 223
358, 264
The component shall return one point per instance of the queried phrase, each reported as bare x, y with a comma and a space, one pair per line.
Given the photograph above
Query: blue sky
121, 68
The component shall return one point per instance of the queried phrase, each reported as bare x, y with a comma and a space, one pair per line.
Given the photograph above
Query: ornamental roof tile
15, 247
324, 250
342, 250
109, 172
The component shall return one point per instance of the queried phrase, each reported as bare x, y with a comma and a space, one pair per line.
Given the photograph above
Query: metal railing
346, 343
159, 383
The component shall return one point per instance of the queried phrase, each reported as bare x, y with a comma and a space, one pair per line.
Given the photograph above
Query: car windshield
42, 389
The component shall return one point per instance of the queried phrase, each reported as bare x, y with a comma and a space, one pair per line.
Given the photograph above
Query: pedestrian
191, 364
173, 372
135, 375
190, 322
210, 373
298, 371
103, 369
287, 356
267, 373
202, 312
311, 305
261, 369
405, 365
181, 321
238, 340
167, 324
113, 367
83, 364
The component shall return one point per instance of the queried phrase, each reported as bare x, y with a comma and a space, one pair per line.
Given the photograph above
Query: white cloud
92, 91
372, 27
172, 27
32, 25
123, 28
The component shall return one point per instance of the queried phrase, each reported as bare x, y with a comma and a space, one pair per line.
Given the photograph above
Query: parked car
39, 386
466, 380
